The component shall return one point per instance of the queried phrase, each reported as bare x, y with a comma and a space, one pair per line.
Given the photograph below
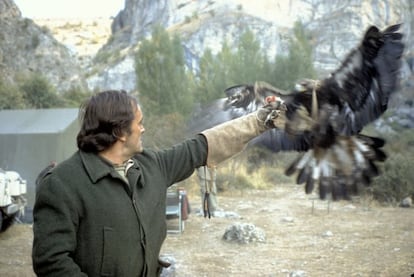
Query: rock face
27, 48
334, 27
8, 9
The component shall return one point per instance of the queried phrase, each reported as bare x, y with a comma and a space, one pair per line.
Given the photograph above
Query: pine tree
163, 84
297, 64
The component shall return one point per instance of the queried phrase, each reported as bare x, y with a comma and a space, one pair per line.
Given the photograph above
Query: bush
397, 179
254, 168
75, 96
10, 97
228, 181
39, 93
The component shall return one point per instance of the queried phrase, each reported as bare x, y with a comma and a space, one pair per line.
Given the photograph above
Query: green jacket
89, 222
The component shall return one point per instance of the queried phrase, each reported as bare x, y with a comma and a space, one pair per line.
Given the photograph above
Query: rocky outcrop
334, 27
8, 9
27, 48
136, 20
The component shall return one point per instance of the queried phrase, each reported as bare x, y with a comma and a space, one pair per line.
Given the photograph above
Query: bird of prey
323, 119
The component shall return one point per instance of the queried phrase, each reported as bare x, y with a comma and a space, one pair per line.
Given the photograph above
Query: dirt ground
348, 239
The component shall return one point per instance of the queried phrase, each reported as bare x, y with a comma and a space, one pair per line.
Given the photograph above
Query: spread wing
325, 118
367, 78
210, 115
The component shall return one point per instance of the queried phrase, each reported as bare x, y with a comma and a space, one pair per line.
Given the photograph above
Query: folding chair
174, 211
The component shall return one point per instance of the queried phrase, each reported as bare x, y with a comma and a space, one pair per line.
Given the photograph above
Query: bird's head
306, 85
239, 96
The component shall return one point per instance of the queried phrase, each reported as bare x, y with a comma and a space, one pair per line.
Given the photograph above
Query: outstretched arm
229, 138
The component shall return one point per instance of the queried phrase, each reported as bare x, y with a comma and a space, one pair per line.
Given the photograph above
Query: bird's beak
300, 88
234, 99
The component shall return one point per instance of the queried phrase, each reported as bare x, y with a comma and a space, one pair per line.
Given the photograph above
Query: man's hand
271, 115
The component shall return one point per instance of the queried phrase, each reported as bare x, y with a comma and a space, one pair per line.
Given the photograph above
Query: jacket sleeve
54, 231
178, 162
230, 138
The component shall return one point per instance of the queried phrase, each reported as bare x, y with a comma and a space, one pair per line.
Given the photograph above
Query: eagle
323, 119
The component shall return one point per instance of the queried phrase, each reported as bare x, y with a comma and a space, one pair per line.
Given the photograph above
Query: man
207, 179
102, 211
43, 173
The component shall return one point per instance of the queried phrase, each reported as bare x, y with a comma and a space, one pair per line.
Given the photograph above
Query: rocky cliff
25, 47
334, 27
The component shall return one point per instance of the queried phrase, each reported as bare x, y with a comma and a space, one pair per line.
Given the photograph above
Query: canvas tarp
31, 139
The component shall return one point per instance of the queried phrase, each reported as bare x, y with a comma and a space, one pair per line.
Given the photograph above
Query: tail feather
324, 189
372, 169
340, 191
380, 155
366, 179
310, 183
291, 169
299, 163
340, 169
303, 176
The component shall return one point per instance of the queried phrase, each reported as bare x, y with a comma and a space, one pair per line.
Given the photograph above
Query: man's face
133, 141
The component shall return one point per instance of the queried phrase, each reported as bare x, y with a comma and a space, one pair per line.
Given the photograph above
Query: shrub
228, 181
39, 93
75, 96
10, 97
397, 179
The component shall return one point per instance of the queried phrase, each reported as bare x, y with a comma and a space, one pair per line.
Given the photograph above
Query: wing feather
367, 78
211, 115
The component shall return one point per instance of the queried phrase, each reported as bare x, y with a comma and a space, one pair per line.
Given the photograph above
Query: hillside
84, 37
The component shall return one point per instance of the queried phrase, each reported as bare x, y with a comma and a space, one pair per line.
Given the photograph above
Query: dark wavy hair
104, 118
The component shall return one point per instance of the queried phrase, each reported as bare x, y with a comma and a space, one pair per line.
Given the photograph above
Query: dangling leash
206, 200
314, 112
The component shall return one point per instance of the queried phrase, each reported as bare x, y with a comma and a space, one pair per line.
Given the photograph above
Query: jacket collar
97, 168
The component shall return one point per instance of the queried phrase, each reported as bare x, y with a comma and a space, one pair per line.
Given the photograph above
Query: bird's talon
271, 117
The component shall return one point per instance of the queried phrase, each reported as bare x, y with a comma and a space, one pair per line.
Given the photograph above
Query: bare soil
342, 239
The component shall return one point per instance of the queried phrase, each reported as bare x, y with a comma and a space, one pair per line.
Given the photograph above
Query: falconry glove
230, 138
272, 113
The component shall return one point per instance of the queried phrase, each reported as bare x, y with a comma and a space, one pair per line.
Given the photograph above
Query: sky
69, 8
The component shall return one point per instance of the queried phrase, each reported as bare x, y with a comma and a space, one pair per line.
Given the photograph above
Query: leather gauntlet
230, 138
